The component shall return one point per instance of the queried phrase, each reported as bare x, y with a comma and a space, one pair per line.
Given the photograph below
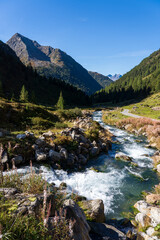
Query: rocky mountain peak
53, 62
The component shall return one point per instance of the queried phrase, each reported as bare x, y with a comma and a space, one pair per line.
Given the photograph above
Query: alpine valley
79, 151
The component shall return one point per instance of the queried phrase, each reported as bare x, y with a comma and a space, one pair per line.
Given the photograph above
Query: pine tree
23, 95
60, 103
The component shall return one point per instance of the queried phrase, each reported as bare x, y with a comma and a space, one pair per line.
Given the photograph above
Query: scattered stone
64, 153
70, 159
8, 191
54, 156
94, 151
18, 160
4, 157
21, 136
40, 156
82, 159
40, 142
48, 134
29, 134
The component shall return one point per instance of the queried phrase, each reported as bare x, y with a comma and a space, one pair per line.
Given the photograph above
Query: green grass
112, 117
144, 108
18, 117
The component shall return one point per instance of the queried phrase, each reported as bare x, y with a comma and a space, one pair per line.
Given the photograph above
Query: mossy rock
94, 210
94, 169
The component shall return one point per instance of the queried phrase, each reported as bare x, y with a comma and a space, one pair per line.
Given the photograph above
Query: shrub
66, 141
28, 227
34, 183
41, 123
93, 132
70, 114
60, 125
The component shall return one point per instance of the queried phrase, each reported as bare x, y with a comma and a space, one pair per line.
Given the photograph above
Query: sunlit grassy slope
148, 107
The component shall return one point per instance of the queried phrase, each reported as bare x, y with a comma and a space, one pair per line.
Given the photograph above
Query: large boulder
55, 156
123, 156
80, 228
94, 210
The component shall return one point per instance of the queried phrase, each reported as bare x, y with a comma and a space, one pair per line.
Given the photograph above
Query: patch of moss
32, 199
13, 208
86, 212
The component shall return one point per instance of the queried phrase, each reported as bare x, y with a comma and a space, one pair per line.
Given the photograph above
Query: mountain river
119, 184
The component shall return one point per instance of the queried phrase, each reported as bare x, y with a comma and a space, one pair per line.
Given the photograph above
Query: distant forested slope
138, 83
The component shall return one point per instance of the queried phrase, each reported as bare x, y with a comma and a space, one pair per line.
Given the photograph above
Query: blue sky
107, 36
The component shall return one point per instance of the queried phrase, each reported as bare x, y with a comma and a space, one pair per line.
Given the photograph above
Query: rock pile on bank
71, 148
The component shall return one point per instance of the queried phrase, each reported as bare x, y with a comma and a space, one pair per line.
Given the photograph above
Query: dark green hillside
14, 74
101, 79
136, 84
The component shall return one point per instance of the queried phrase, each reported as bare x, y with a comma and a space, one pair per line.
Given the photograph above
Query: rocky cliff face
53, 62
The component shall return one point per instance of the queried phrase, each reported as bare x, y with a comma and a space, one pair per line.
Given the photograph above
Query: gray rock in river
123, 156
